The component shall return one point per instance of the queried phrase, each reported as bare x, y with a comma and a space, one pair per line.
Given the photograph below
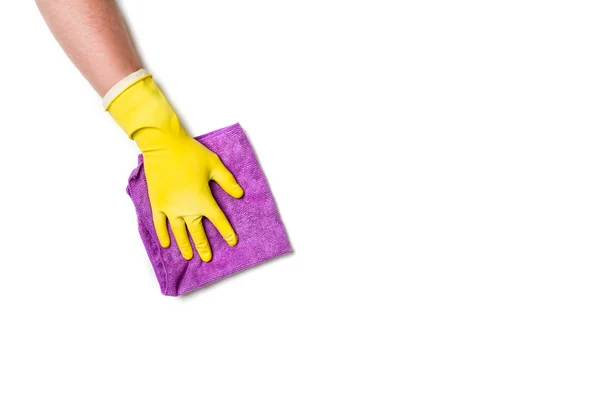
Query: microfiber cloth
254, 217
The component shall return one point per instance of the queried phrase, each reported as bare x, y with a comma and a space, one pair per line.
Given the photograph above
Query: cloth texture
254, 217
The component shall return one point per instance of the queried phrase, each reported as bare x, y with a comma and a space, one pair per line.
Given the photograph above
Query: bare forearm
94, 36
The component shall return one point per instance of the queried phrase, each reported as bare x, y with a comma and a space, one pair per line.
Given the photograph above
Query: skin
95, 37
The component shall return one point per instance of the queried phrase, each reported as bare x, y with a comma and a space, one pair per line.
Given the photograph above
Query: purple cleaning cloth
254, 217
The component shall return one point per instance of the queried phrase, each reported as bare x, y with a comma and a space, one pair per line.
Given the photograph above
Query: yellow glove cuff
138, 104
122, 85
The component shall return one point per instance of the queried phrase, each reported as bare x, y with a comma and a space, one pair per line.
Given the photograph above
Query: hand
178, 169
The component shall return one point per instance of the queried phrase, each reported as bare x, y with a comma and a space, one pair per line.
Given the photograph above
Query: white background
436, 165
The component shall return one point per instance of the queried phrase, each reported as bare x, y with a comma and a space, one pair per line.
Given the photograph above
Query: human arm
95, 37
177, 167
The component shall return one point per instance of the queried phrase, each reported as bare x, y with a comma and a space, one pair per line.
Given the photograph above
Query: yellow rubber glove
178, 168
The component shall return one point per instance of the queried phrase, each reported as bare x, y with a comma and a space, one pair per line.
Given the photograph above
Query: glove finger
226, 180
220, 222
160, 225
194, 225
181, 237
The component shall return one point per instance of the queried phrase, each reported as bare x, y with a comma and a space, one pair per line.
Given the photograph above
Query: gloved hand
178, 168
